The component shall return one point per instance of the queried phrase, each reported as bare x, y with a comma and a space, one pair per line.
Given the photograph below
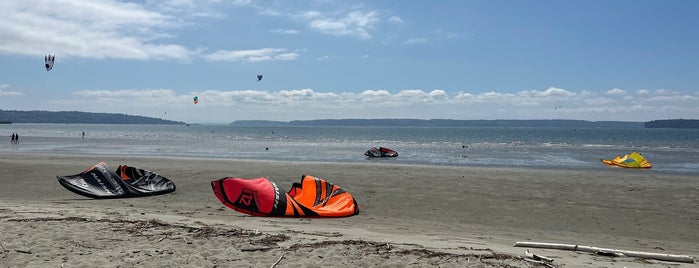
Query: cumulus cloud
306, 103
616, 91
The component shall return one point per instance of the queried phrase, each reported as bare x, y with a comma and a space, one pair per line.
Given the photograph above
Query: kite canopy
632, 160
49, 59
312, 197
100, 182
196, 99
259, 77
380, 152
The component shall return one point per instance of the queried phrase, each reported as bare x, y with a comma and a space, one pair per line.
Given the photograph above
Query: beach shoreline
410, 215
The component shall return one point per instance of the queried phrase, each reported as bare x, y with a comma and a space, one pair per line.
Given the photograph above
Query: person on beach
83, 135
12, 138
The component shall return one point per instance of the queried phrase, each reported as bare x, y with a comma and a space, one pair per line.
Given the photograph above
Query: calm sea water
669, 150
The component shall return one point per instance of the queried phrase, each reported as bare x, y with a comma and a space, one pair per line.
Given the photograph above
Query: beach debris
312, 197
608, 251
49, 59
100, 182
25, 251
538, 259
279, 260
632, 160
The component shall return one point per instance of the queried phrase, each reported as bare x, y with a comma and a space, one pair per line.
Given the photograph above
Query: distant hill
444, 123
673, 123
259, 123
73, 117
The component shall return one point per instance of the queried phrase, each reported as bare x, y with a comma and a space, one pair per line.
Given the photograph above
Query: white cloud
616, 91
445, 34
128, 93
411, 41
285, 31
91, 29
307, 103
5, 92
355, 23
395, 19
254, 55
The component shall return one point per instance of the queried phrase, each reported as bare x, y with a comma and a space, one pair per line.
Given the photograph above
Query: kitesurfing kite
380, 152
259, 77
312, 197
100, 182
632, 160
48, 61
196, 99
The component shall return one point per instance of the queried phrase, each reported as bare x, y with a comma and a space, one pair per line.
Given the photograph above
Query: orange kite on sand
312, 197
632, 160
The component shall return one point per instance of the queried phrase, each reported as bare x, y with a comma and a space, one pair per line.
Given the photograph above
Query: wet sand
418, 216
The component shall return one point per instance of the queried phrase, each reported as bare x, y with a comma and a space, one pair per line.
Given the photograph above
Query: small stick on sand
25, 251
537, 262
537, 257
278, 261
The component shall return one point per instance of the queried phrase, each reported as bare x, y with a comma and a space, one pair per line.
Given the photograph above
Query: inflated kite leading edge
312, 197
100, 182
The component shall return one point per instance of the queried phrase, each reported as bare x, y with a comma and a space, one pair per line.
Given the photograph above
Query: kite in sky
48, 61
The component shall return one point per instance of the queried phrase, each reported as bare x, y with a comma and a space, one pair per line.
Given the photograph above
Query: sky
612, 60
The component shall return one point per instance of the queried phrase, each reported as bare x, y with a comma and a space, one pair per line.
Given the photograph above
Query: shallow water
669, 150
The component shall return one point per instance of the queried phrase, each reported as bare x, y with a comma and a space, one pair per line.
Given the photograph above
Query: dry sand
416, 216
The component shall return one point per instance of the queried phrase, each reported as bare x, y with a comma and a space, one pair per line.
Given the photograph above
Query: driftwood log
608, 251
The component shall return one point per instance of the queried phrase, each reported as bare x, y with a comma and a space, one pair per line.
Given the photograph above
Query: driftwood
538, 259
279, 260
607, 251
536, 256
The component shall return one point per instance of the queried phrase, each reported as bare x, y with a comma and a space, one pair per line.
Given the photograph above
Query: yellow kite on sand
632, 160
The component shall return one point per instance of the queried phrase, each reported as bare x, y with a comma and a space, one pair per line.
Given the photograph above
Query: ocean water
669, 150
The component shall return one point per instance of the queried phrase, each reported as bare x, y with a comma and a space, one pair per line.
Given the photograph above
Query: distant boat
380, 152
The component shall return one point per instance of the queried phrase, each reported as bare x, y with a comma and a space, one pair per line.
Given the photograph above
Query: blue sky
591, 60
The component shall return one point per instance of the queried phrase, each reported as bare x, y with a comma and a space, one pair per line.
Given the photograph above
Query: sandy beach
410, 216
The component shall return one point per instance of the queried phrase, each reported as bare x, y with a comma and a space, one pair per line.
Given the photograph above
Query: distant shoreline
543, 123
76, 117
